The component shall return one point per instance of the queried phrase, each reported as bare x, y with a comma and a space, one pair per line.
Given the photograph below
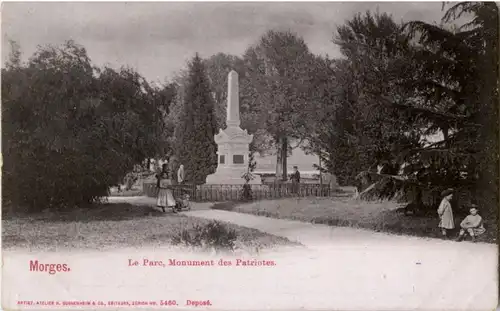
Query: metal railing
222, 192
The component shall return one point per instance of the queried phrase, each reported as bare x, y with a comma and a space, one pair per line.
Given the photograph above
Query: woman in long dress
445, 212
164, 184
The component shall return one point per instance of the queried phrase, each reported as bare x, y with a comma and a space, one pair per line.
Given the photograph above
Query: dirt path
430, 273
347, 268
317, 235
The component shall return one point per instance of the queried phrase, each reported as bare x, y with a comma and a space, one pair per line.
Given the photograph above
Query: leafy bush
71, 130
213, 235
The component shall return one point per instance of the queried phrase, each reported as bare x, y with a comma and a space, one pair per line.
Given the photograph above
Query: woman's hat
472, 205
446, 192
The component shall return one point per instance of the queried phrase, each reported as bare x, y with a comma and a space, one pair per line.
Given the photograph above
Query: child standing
445, 212
472, 224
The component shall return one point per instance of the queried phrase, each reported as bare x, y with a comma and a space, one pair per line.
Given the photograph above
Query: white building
266, 165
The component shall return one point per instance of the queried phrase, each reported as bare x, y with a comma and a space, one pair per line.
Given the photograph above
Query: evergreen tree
446, 82
194, 134
354, 129
458, 77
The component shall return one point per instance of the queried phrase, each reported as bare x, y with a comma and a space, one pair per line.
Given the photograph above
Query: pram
182, 201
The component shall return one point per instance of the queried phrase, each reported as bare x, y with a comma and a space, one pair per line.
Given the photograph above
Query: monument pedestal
233, 156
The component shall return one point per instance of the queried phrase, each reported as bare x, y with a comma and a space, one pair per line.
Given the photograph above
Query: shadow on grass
97, 212
226, 206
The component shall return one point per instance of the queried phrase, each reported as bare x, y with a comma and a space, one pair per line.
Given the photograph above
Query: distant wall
305, 162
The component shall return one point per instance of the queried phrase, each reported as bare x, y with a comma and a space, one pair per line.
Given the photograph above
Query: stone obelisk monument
233, 100
233, 142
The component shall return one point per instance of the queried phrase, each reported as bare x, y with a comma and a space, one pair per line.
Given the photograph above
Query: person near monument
295, 180
472, 224
164, 183
181, 174
445, 212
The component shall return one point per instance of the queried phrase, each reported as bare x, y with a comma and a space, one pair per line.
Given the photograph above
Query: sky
158, 38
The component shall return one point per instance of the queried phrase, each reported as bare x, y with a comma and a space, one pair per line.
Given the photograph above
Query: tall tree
458, 77
357, 127
194, 135
334, 137
446, 83
162, 98
376, 48
278, 84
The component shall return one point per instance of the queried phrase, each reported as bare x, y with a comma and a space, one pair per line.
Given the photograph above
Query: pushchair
182, 201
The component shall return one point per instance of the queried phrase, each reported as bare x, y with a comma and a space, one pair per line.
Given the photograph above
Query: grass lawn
347, 212
110, 226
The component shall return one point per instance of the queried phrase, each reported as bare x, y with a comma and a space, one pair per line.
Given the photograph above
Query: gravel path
430, 273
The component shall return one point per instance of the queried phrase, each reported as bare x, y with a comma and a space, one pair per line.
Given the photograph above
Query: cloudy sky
158, 38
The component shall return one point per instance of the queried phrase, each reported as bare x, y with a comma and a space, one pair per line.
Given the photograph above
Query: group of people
165, 182
471, 225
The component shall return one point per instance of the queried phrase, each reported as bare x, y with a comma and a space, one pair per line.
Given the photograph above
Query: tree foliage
194, 134
72, 130
83, 128
400, 84
446, 83
358, 128
334, 137
458, 78
277, 88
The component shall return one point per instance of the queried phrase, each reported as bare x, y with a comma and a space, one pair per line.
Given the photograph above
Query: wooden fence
219, 193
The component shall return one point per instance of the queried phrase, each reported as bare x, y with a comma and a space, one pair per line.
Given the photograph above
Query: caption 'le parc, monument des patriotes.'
200, 263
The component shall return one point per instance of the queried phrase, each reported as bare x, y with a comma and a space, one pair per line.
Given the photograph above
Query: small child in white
472, 224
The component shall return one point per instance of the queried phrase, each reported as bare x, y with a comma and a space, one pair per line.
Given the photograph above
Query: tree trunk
279, 165
488, 182
284, 156
320, 174
445, 136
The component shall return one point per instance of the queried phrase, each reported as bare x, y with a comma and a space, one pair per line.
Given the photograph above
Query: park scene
377, 163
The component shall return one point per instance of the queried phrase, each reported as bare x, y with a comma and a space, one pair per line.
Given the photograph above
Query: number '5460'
168, 303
